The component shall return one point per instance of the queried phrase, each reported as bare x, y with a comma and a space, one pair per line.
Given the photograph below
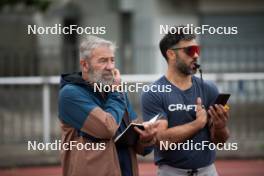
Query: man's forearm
219, 135
179, 133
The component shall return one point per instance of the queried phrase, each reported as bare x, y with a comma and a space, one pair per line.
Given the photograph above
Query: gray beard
96, 77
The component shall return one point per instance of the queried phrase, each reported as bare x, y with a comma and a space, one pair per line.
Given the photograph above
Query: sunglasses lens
191, 50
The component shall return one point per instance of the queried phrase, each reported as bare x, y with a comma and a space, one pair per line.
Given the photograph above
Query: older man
92, 118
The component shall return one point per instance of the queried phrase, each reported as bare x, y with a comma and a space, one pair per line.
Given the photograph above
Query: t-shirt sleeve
151, 105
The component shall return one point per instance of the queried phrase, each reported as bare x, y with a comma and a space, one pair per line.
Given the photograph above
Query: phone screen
222, 99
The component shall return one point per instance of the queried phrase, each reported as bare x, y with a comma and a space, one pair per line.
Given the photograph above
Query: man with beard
185, 119
91, 119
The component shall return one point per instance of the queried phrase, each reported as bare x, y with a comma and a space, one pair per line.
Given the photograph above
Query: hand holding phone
218, 113
222, 99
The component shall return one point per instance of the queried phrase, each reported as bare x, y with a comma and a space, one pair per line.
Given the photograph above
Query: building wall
134, 26
247, 16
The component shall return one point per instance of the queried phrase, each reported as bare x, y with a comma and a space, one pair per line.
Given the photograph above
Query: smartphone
222, 99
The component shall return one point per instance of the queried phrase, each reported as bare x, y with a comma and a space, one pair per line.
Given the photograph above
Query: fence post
46, 112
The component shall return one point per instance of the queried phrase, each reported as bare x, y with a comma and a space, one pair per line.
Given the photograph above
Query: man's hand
116, 77
219, 116
147, 136
116, 80
201, 116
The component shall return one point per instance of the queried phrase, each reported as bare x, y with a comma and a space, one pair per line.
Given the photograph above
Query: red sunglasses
190, 50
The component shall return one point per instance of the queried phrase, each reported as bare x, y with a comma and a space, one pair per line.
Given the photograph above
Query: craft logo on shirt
182, 107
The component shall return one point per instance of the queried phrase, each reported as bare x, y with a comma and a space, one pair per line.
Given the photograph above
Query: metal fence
28, 109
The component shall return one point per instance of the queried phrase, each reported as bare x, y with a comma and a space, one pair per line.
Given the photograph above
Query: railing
22, 117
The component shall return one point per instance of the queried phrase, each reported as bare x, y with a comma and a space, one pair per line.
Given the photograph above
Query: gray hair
91, 42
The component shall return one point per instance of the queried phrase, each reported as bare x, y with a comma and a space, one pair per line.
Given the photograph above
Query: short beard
183, 68
97, 77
